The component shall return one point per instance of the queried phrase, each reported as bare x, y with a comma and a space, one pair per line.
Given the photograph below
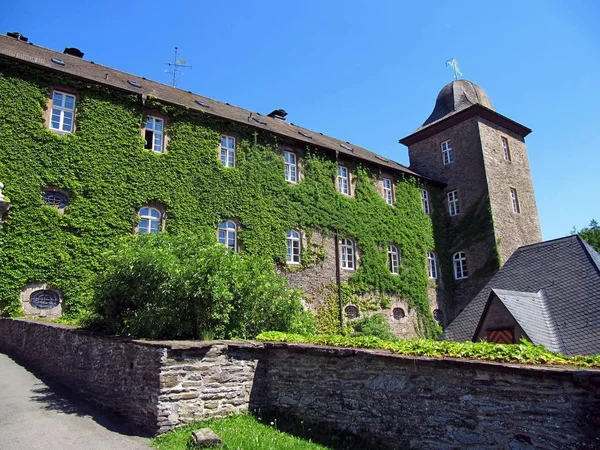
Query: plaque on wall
44, 299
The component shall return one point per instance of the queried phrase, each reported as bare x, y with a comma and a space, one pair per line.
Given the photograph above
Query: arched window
293, 247
351, 312
53, 197
150, 220
227, 234
432, 266
393, 259
460, 266
348, 255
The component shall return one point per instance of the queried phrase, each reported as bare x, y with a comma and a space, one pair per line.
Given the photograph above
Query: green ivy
109, 175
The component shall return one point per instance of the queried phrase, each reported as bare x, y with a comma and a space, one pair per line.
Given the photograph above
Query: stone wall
119, 375
398, 402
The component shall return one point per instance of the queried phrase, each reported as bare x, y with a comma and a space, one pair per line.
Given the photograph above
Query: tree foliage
375, 325
187, 287
590, 234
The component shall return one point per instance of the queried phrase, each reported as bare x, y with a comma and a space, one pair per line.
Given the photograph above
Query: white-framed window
62, 114
393, 259
460, 266
343, 180
425, 199
227, 234
150, 220
294, 245
348, 254
291, 167
154, 133
514, 197
432, 266
453, 207
506, 148
447, 154
388, 193
228, 151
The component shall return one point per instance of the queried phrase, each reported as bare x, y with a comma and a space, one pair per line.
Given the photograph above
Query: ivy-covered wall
108, 175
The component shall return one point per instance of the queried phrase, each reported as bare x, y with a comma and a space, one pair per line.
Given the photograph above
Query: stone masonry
396, 401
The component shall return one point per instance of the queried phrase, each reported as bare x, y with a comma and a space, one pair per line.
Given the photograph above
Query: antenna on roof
177, 64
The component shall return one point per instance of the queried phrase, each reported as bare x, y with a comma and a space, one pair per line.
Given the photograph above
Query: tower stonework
488, 170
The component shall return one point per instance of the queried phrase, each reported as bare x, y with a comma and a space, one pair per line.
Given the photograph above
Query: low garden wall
401, 402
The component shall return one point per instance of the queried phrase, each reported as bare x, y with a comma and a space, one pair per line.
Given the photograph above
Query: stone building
89, 154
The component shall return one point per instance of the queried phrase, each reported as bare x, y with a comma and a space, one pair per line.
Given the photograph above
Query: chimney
73, 52
277, 114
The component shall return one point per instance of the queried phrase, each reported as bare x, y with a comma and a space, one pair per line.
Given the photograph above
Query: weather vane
454, 64
177, 64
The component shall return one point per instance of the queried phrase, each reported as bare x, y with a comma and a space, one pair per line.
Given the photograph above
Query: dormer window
62, 115
154, 134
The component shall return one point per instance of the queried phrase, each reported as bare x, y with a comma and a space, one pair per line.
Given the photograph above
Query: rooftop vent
278, 114
16, 35
73, 52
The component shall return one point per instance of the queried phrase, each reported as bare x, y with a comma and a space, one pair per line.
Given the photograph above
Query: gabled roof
530, 311
568, 272
90, 71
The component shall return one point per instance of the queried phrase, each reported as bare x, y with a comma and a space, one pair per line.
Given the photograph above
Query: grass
243, 432
523, 352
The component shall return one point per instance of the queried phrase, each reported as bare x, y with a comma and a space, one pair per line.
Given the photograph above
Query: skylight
344, 146
134, 83
382, 159
58, 61
305, 135
201, 103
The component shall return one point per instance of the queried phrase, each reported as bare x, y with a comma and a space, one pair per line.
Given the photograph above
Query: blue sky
368, 72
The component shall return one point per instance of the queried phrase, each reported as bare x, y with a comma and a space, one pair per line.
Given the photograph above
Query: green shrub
375, 325
188, 287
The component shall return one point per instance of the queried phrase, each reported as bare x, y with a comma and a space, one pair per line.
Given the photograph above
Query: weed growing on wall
108, 176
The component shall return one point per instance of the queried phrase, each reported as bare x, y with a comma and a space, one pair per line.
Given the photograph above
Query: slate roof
568, 272
530, 310
89, 71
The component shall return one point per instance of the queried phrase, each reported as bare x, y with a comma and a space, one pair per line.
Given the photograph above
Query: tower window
228, 151
425, 199
505, 148
460, 266
149, 220
154, 134
515, 200
393, 259
63, 112
453, 207
388, 194
348, 255
432, 266
227, 235
293, 247
447, 154
343, 180
291, 167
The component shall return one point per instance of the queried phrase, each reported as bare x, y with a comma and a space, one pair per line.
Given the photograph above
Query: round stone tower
487, 208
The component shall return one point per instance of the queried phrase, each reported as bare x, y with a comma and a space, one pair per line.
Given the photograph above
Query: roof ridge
542, 243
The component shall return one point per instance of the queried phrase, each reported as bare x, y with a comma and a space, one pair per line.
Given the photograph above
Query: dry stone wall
398, 402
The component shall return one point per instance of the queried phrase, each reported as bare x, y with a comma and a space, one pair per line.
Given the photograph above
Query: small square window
227, 155
62, 113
